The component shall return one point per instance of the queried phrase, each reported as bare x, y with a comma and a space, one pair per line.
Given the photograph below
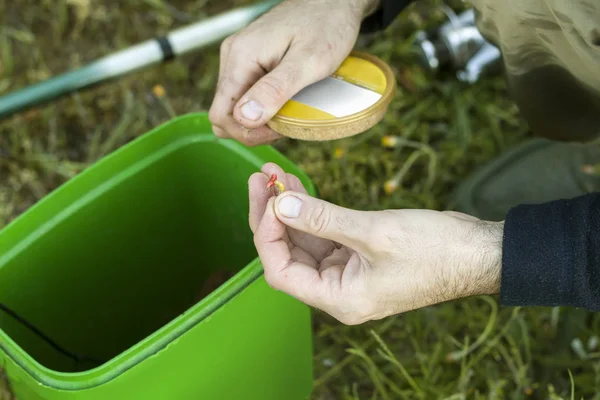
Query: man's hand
297, 43
366, 265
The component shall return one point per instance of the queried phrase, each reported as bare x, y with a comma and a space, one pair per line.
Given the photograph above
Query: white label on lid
337, 97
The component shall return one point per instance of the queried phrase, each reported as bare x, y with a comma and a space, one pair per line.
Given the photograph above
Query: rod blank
145, 54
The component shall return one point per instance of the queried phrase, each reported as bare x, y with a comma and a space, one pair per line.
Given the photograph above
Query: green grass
466, 349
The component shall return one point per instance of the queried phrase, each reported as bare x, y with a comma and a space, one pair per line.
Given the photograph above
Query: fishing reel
457, 44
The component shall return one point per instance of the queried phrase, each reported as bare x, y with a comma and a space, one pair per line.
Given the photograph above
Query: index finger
236, 75
259, 195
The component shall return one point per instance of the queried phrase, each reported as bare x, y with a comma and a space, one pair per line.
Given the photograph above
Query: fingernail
252, 110
290, 206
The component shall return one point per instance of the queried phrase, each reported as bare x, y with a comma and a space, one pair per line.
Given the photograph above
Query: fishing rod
161, 49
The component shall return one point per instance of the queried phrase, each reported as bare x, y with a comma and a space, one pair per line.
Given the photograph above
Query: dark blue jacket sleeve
385, 14
551, 254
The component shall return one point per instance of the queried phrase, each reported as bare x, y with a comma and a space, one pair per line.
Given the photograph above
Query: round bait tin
350, 101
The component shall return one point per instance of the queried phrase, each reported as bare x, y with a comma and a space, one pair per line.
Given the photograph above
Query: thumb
266, 97
325, 220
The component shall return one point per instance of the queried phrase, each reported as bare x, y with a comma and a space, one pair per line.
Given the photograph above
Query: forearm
487, 260
471, 264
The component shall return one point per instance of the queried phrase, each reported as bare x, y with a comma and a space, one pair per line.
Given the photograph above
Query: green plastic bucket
101, 282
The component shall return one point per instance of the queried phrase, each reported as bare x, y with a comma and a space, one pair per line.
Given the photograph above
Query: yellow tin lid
350, 101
